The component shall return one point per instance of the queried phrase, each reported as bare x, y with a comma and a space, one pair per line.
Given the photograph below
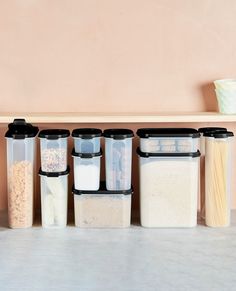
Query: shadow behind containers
21, 150
118, 157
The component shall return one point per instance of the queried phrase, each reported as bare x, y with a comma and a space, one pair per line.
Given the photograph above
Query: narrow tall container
21, 150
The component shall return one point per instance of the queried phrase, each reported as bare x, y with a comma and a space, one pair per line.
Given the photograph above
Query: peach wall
109, 55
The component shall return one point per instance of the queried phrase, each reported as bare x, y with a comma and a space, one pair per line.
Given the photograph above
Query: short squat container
53, 145
21, 149
168, 189
87, 170
168, 140
54, 196
218, 178
102, 209
118, 146
87, 140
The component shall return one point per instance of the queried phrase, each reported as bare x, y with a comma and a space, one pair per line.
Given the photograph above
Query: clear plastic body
53, 154
87, 173
54, 193
217, 181
102, 211
168, 191
91, 145
118, 163
20, 177
169, 144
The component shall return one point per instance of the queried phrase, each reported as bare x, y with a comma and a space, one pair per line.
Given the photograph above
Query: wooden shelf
118, 117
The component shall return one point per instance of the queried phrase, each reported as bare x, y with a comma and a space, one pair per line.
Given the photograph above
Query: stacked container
169, 176
21, 152
54, 177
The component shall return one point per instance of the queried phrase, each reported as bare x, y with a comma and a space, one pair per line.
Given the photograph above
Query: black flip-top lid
168, 132
148, 155
118, 133
20, 129
86, 133
102, 190
86, 155
219, 134
54, 133
54, 174
213, 128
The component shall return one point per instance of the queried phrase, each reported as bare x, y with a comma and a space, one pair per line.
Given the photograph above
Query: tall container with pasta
20, 172
217, 178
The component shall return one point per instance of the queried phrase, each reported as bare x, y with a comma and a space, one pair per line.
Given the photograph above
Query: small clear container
53, 149
54, 196
102, 209
87, 170
168, 140
118, 146
21, 149
168, 189
87, 140
218, 165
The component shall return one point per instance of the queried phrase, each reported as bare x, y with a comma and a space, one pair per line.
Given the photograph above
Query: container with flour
168, 189
87, 140
87, 170
54, 195
21, 149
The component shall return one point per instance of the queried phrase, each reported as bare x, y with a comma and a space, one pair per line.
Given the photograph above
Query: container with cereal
20, 172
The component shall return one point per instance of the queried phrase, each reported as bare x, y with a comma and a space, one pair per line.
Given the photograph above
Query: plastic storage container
168, 189
87, 140
87, 170
167, 140
54, 193
21, 151
53, 144
107, 209
203, 130
118, 146
218, 178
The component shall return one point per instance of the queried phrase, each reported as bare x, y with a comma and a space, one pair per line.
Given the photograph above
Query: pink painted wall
109, 55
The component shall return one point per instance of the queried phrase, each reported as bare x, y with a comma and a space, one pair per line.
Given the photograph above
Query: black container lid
148, 155
168, 132
118, 133
86, 133
54, 133
54, 174
219, 134
102, 190
20, 129
213, 128
86, 155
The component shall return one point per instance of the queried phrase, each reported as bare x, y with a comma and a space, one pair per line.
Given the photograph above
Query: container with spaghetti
217, 178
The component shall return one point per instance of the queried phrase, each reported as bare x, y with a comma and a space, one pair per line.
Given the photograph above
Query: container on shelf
54, 196
225, 90
87, 140
87, 170
118, 148
218, 178
21, 149
168, 140
203, 130
53, 149
103, 208
168, 189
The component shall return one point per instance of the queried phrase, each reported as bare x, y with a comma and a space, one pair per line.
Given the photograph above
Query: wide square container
118, 153
168, 189
102, 209
54, 196
21, 151
87, 170
87, 140
53, 149
168, 140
